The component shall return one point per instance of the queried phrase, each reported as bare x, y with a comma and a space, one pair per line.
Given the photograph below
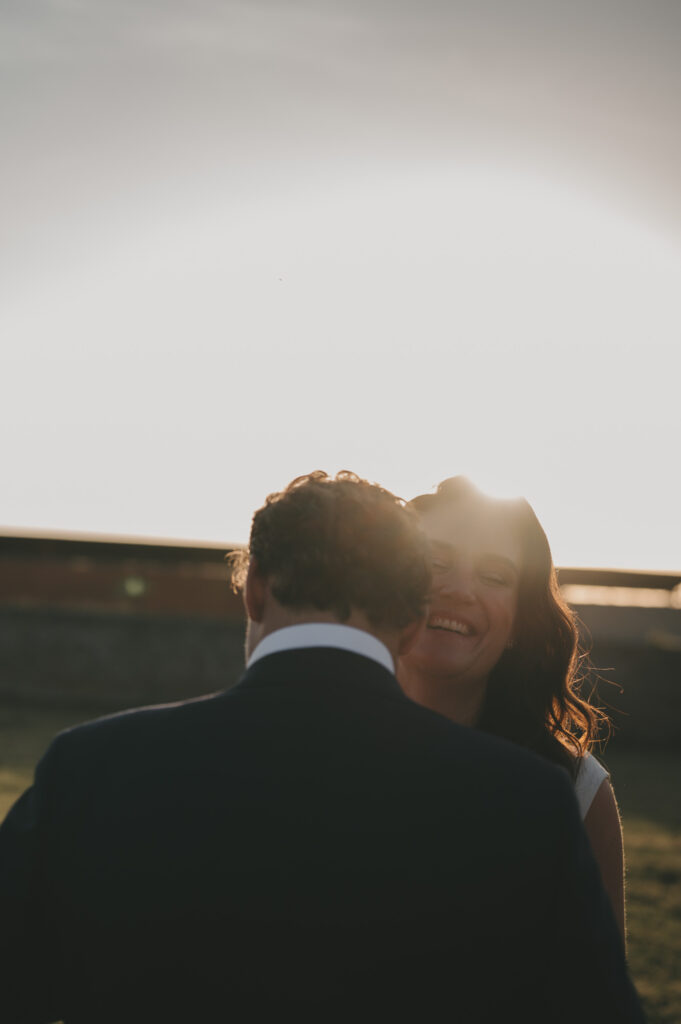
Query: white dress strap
590, 775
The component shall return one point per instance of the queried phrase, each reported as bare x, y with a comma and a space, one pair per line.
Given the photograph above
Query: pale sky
241, 241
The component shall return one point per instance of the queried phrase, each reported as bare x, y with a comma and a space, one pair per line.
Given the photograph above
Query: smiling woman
475, 594
499, 649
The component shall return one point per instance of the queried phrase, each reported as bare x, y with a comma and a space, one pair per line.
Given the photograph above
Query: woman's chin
427, 663
443, 650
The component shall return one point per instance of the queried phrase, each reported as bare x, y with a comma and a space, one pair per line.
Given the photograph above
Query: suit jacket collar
319, 668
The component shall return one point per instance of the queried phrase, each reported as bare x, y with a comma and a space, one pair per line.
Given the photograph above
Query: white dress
590, 775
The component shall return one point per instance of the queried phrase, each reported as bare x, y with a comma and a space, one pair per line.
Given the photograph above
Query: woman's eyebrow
508, 562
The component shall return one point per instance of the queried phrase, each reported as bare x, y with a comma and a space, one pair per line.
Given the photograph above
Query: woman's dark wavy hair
534, 693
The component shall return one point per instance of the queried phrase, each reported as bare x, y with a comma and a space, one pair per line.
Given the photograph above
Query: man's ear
255, 592
409, 635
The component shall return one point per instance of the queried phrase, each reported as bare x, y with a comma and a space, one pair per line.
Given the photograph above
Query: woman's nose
456, 584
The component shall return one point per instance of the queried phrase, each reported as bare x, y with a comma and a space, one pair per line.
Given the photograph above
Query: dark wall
641, 690
114, 660
110, 625
636, 659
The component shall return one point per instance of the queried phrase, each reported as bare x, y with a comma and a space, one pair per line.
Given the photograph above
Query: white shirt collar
324, 634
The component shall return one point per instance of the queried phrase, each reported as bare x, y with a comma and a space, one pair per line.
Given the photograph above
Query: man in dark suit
311, 841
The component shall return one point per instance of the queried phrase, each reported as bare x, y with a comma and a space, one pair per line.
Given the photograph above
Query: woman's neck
456, 699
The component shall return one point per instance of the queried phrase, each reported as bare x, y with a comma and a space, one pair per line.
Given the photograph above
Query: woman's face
477, 560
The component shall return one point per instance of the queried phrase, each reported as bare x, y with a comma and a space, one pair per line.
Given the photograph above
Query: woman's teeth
452, 625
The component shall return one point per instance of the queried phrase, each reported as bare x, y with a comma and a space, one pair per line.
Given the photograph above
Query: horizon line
86, 536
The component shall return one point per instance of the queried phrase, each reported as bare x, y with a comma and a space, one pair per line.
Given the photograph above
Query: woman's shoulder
588, 779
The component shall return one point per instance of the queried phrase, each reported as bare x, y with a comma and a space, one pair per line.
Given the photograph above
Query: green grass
648, 788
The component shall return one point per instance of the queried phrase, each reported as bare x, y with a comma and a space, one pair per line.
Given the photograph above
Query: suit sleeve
28, 954
588, 980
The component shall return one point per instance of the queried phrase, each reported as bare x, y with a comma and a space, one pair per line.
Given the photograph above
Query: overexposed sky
241, 241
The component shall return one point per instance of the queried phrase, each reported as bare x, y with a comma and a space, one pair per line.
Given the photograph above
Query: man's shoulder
133, 725
491, 763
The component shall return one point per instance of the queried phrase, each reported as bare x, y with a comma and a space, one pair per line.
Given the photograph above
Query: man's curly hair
340, 544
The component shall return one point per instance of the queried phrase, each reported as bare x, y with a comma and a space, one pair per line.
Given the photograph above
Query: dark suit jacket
309, 841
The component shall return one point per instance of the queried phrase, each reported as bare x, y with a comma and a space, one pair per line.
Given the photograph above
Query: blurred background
244, 240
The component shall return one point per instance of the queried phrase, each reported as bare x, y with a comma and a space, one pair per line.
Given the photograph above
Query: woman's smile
450, 624
476, 562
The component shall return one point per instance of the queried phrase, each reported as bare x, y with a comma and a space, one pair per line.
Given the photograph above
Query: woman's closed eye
497, 578
441, 559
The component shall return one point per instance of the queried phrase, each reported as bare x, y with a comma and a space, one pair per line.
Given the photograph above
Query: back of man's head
340, 545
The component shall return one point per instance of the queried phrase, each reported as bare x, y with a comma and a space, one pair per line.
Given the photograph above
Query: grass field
648, 787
